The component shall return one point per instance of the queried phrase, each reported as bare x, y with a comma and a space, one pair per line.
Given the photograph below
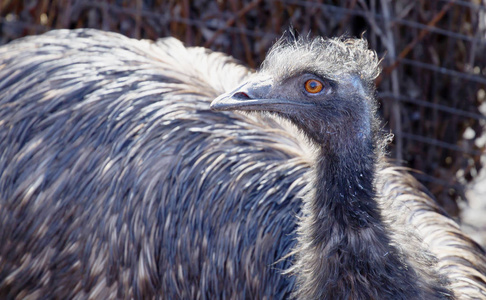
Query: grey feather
118, 181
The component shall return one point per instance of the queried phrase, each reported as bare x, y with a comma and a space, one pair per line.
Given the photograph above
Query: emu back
117, 181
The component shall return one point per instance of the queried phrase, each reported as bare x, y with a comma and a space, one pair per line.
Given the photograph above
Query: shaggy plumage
118, 181
350, 245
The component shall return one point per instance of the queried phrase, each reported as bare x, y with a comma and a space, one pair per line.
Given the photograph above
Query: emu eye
313, 86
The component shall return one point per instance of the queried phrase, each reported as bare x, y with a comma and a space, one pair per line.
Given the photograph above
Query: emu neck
348, 250
345, 191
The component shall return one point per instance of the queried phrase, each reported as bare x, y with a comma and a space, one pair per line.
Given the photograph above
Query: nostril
241, 95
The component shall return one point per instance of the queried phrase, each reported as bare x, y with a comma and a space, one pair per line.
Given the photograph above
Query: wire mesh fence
433, 85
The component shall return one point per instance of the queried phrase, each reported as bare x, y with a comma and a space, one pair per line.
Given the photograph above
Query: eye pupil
313, 86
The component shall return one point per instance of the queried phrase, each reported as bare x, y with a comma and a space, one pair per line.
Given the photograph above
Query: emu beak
257, 94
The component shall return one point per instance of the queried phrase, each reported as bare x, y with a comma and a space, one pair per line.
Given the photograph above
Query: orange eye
313, 86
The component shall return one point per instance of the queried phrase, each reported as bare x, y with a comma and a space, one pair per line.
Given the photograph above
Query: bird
346, 246
133, 169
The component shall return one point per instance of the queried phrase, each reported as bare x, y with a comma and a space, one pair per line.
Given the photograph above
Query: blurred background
432, 89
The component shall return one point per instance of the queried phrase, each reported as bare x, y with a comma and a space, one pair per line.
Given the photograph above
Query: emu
117, 180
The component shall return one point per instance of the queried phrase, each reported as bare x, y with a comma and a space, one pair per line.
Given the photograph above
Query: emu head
324, 86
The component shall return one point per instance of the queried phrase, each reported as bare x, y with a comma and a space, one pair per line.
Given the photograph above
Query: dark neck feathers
345, 248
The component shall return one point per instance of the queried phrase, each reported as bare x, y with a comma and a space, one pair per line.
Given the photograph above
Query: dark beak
254, 95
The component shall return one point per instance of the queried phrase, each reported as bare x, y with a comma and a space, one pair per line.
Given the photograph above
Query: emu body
113, 175
118, 181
